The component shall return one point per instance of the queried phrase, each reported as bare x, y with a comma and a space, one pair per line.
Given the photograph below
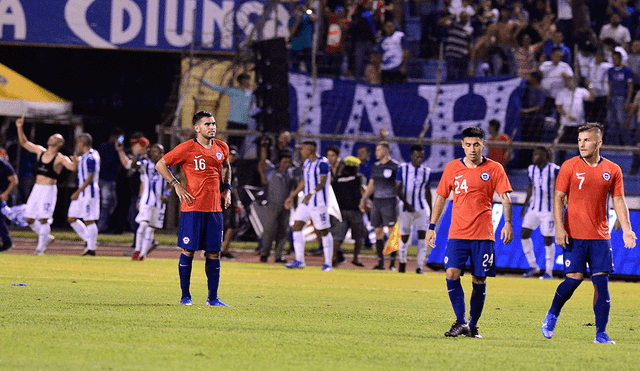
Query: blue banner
201, 25
331, 106
625, 261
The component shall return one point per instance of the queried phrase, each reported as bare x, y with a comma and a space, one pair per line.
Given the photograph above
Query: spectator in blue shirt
620, 95
301, 36
557, 41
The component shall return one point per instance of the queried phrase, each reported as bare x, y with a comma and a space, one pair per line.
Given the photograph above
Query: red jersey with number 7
202, 168
587, 189
473, 190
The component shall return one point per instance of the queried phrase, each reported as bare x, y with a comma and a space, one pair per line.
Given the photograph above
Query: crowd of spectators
543, 41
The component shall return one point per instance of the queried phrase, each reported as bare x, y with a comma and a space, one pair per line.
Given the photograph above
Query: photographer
301, 37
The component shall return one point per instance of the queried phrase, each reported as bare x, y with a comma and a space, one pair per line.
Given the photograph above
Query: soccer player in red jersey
473, 180
585, 182
205, 164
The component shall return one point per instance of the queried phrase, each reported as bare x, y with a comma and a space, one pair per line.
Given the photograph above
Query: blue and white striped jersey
543, 183
414, 184
311, 174
90, 164
153, 184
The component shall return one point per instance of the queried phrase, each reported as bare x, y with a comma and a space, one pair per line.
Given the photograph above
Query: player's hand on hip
629, 239
507, 234
431, 238
183, 195
227, 199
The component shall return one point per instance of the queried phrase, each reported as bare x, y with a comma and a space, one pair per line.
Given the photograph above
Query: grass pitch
116, 314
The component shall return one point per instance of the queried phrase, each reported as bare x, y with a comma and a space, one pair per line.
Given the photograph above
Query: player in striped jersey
316, 184
412, 188
539, 213
152, 199
85, 201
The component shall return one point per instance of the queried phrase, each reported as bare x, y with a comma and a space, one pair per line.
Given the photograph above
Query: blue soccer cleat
296, 264
186, 301
216, 303
549, 325
327, 268
603, 338
531, 272
546, 276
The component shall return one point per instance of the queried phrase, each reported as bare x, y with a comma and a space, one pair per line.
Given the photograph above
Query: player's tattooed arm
507, 231
226, 180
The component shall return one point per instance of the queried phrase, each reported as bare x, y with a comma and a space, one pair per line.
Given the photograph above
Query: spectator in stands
109, 167
281, 143
364, 29
620, 94
564, 20
279, 181
241, 99
395, 54
457, 47
383, 188
500, 155
366, 163
619, 33
570, 108
531, 117
609, 45
553, 72
585, 59
497, 46
429, 11
557, 41
626, 12
519, 14
633, 62
487, 15
338, 24
373, 71
598, 81
348, 186
301, 37
526, 55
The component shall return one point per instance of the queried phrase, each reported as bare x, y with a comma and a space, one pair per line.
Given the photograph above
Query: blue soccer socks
563, 294
601, 301
456, 295
184, 269
477, 303
212, 268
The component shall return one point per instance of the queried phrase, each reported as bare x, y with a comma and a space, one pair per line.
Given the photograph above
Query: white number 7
581, 177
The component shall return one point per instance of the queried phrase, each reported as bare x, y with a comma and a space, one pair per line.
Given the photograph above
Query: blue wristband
228, 186
432, 227
167, 193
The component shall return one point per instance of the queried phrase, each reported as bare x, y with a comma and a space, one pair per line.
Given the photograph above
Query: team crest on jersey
567, 263
219, 155
606, 176
186, 240
485, 176
387, 173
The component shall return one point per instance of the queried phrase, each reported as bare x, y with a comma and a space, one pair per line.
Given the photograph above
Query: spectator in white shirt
619, 33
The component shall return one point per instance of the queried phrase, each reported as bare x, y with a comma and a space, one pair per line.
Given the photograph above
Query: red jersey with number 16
472, 197
588, 189
202, 167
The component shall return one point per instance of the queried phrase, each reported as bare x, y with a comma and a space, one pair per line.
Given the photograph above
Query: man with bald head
42, 200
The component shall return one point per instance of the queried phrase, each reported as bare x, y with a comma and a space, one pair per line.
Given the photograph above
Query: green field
114, 314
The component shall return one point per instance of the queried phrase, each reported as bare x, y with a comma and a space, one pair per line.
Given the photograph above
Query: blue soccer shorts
480, 252
200, 231
596, 253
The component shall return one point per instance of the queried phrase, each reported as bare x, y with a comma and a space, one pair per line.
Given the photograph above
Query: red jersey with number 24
473, 190
588, 189
202, 168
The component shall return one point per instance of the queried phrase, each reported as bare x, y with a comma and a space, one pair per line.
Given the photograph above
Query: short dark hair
473, 132
495, 123
544, 149
311, 143
86, 139
536, 75
591, 126
366, 148
285, 153
556, 48
199, 116
333, 149
616, 54
417, 148
385, 145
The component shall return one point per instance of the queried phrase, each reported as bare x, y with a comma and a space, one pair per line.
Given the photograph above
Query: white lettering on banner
12, 14
214, 14
372, 100
127, 19
303, 86
75, 13
442, 119
120, 8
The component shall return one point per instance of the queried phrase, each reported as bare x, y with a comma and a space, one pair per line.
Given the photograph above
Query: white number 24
461, 186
